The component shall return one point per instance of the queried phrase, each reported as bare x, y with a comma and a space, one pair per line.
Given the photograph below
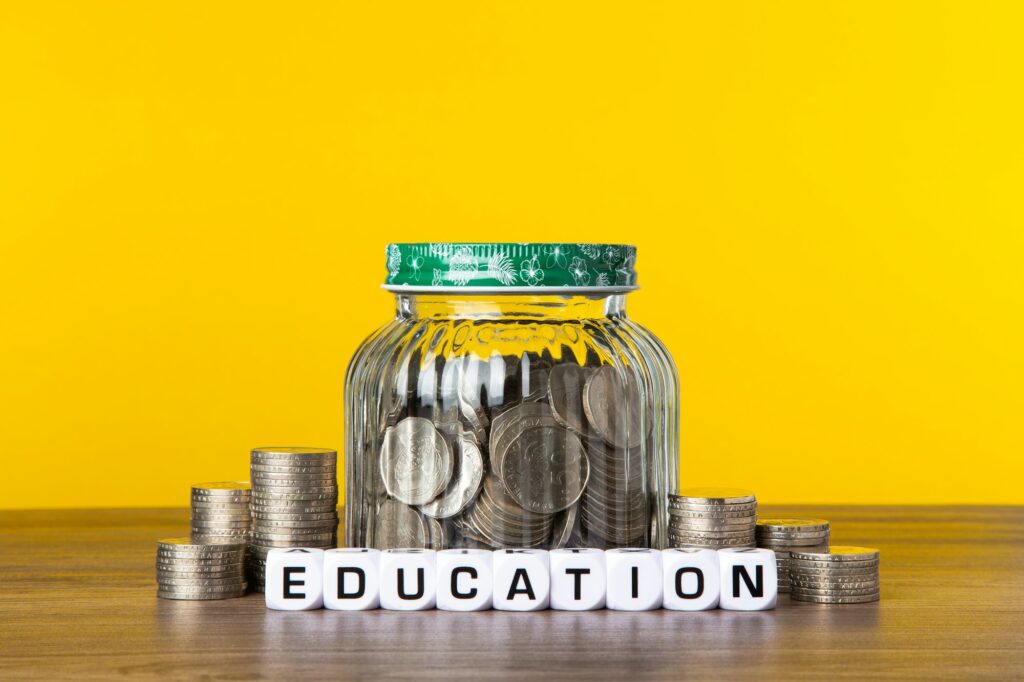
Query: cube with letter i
464, 579
578, 579
692, 581
522, 580
749, 579
294, 579
408, 579
634, 579
352, 579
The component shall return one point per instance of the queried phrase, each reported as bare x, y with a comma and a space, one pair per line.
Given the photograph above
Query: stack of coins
843, 575
197, 571
788, 535
220, 513
712, 517
294, 503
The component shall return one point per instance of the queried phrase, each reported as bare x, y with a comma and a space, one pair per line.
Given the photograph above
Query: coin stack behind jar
789, 535
185, 570
220, 513
712, 517
842, 575
294, 503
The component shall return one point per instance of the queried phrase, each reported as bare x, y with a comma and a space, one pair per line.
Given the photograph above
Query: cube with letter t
295, 579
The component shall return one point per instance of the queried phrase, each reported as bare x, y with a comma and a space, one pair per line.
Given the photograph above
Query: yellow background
826, 197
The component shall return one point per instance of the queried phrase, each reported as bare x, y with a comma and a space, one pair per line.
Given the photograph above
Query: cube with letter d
352, 579
295, 579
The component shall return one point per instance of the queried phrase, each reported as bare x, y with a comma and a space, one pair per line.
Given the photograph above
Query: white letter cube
634, 579
408, 579
749, 579
522, 579
692, 581
294, 579
578, 579
352, 579
464, 580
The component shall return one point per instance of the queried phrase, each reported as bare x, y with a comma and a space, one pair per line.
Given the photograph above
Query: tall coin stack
791, 535
294, 503
220, 513
185, 570
712, 518
842, 575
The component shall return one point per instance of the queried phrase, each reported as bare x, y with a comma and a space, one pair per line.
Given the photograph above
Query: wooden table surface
77, 601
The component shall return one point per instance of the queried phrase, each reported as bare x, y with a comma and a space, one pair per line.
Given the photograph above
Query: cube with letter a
522, 580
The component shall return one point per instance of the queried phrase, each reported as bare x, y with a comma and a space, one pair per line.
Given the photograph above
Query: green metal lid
509, 268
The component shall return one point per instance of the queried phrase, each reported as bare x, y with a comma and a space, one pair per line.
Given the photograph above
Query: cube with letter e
295, 579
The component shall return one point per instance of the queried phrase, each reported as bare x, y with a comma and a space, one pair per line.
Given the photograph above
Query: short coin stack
843, 575
220, 513
791, 535
197, 571
712, 517
294, 503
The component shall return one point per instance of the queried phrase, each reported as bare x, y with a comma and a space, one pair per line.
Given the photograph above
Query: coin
565, 525
510, 424
399, 526
715, 496
289, 455
221, 488
611, 410
416, 462
856, 599
465, 483
565, 396
545, 469
839, 554
774, 524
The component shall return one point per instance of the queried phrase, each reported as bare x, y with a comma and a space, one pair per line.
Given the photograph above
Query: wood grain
77, 600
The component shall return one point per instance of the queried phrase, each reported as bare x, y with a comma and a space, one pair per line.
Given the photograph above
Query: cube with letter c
464, 580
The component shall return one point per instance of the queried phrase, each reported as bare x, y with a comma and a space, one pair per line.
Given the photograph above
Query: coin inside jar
416, 461
613, 407
545, 469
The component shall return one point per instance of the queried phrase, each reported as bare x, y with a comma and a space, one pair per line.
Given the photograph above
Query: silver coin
613, 406
200, 596
221, 522
785, 525
510, 424
202, 581
415, 460
435, 533
564, 526
264, 498
867, 572
861, 599
291, 454
465, 483
839, 554
399, 526
835, 584
306, 480
293, 469
565, 396
184, 545
545, 469
220, 500
715, 496
796, 588
221, 488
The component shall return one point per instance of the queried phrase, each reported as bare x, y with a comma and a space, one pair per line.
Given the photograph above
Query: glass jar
510, 403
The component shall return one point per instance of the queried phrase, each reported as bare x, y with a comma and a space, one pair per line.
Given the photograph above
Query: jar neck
519, 307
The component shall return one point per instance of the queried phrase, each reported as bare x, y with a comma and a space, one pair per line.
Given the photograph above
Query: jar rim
515, 268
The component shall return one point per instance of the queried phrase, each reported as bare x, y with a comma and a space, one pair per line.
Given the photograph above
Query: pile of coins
198, 571
789, 535
220, 513
712, 517
557, 459
294, 503
842, 575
